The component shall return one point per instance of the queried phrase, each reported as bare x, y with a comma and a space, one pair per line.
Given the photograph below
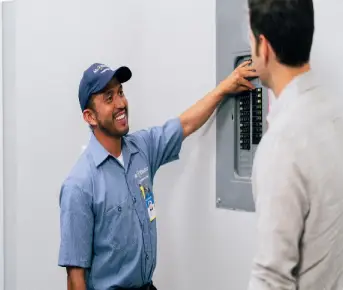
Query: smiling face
107, 111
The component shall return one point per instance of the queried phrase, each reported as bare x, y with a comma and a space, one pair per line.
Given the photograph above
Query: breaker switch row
245, 120
256, 115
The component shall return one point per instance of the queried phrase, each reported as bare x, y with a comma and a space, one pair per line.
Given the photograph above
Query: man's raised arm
197, 115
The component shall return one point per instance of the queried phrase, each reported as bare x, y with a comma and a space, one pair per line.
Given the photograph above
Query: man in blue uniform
108, 218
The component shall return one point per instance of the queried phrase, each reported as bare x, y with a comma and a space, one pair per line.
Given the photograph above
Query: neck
111, 144
283, 75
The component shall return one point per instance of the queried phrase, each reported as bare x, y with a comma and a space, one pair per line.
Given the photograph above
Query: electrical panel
248, 125
241, 118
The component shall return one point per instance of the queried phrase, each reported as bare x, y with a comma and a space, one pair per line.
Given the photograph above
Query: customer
297, 173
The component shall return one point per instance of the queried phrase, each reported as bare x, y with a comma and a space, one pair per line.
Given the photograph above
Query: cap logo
102, 68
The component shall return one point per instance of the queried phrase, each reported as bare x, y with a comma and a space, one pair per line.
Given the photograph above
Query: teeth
121, 117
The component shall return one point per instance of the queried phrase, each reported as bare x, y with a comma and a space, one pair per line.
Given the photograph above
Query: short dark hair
287, 24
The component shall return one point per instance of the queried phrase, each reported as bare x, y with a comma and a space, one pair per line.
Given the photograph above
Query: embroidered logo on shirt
141, 172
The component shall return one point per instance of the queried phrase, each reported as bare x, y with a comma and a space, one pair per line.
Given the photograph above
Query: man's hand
237, 81
199, 113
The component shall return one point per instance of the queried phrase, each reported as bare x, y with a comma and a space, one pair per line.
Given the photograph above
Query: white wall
2, 214
171, 50
10, 150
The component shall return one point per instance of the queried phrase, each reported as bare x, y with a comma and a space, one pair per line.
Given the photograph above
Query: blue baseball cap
95, 79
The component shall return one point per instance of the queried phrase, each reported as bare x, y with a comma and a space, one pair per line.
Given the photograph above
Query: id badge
149, 201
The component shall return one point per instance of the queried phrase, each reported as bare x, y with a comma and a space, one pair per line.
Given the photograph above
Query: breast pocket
120, 225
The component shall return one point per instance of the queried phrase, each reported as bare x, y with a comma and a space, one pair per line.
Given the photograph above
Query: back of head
288, 25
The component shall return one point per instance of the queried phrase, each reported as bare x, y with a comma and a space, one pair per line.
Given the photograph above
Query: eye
109, 96
121, 93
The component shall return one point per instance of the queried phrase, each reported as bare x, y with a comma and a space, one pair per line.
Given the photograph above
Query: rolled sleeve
163, 143
76, 226
281, 208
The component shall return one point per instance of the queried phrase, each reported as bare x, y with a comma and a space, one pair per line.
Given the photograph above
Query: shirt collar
298, 86
100, 154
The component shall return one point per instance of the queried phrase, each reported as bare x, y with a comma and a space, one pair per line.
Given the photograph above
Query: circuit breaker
241, 118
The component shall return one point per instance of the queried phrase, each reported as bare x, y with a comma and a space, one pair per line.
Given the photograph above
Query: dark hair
287, 24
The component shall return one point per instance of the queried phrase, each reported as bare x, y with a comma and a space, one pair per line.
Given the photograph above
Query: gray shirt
298, 190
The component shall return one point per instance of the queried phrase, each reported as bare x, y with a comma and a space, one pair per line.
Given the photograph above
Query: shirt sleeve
281, 208
163, 143
76, 222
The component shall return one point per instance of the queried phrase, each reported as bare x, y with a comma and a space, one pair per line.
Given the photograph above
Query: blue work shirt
105, 225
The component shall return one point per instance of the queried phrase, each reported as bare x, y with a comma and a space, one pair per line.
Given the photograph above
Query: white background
1, 165
170, 47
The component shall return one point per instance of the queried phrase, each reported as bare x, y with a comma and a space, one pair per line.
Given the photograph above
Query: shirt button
134, 200
147, 257
119, 208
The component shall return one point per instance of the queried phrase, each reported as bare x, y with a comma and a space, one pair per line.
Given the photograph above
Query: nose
120, 103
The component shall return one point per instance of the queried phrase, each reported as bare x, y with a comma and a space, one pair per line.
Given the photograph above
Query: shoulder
289, 142
279, 149
299, 130
144, 137
173, 124
81, 176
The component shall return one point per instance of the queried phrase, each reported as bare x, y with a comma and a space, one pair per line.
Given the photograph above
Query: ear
89, 117
265, 50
